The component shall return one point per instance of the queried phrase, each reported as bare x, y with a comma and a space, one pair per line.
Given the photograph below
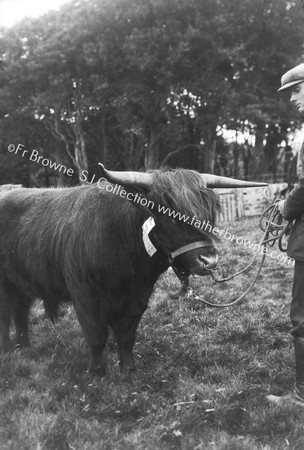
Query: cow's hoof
24, 343
97, 371
128, 374
285, 400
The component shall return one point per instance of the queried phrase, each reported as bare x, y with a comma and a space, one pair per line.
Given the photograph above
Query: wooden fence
239, 203
235, 203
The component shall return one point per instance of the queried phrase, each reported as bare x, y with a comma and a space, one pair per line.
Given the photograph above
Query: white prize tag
147, 227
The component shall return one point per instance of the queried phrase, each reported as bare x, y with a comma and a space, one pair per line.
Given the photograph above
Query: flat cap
292, 77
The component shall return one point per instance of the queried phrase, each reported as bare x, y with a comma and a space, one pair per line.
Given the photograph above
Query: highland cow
101, 251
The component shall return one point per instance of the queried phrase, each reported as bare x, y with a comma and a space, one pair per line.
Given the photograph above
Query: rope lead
271, 223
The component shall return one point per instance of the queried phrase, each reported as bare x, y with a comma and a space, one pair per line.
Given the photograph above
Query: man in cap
292, 209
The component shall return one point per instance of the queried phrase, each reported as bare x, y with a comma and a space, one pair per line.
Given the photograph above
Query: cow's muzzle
197, 258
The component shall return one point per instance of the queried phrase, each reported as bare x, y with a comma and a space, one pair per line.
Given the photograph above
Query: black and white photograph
151, 224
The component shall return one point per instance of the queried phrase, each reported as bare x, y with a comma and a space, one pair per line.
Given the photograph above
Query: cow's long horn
140, 179
215, 181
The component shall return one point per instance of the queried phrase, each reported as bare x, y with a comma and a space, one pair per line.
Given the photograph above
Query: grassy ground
202, 373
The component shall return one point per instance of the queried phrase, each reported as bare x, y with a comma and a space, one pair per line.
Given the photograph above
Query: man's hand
280, 206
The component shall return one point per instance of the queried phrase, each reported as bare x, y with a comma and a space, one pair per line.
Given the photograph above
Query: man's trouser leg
297, 331
299, 358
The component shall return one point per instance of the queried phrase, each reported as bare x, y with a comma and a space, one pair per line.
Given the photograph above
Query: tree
129, 82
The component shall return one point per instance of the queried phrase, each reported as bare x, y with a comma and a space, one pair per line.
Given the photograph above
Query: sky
12, 11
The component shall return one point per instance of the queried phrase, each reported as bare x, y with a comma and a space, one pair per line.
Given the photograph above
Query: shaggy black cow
101, 249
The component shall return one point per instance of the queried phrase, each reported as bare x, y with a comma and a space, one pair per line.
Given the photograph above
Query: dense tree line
137, 84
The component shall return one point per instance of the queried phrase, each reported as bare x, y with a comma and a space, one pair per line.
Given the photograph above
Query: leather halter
180, 251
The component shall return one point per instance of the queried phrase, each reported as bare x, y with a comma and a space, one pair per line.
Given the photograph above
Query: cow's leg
95, 331
125, 333
5, 320
125, 327
21, 318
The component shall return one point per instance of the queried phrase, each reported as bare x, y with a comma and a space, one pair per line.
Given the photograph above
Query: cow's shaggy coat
85, 245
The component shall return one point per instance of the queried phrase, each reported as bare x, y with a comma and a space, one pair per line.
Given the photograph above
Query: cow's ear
148, 210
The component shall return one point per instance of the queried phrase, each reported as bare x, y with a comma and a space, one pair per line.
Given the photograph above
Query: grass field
202, 373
